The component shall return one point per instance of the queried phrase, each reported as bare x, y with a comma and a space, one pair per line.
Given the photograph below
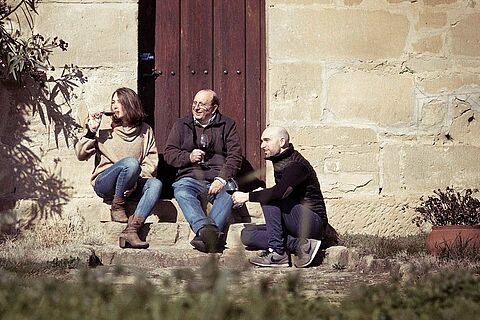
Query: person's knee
156, 185
246, 236
131, 163
182, 193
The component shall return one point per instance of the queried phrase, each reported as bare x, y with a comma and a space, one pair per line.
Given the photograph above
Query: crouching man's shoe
306, 252
270, 258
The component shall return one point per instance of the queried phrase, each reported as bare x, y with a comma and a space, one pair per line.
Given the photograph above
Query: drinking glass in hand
204, 143
230, 187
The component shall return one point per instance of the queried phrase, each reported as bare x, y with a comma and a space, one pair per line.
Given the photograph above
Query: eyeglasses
201, 105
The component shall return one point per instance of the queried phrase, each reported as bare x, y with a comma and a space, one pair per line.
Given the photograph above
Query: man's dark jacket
296, 180
224, 157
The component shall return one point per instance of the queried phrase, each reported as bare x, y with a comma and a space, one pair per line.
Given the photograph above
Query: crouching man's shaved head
274, 141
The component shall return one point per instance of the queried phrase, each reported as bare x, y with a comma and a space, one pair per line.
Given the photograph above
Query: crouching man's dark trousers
286, 225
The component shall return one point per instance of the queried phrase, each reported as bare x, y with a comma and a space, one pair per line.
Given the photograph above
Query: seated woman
126, 162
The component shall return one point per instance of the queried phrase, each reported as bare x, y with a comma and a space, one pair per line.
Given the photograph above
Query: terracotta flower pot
454, 237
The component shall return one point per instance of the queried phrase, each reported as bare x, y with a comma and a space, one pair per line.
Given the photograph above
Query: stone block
450, 83
75, 174
295, 81
331, 136
358, 183
353, 159
107, 36
372, 97
433, 115
430, 19
465, 129
392, 170
465, 38
432, 44
432, 167
352, 2
294, 112
381, 216
311, 33
340, 257
438, 2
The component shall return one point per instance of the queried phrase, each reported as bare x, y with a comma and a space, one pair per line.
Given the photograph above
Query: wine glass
204, 143
230, 187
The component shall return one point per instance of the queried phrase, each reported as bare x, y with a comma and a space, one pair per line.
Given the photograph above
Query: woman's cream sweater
113, 144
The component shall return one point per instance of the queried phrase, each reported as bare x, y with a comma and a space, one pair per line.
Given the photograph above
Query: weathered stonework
465, 36
363, 97
308, 33
383, 97
432, 44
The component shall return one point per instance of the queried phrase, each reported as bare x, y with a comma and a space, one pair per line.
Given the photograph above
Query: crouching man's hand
239, 197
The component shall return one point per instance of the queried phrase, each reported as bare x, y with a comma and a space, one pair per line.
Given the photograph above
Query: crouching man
294, 209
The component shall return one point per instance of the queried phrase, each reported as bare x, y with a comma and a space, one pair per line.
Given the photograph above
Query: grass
384, 247
443, 287
93, 295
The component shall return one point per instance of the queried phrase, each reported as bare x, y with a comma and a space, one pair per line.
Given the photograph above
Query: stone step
166, 234
171, 256
94, 209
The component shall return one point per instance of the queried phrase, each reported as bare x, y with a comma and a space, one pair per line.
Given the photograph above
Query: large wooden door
217, 44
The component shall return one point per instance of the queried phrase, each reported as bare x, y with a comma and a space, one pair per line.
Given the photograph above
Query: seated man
205, 148
293, 208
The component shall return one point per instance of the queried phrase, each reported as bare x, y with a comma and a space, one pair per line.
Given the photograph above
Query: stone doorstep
164, 211
165, 234
234, 257
167, 256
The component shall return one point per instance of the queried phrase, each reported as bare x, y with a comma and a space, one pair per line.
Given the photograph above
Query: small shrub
449, 207
443, 296
384, 247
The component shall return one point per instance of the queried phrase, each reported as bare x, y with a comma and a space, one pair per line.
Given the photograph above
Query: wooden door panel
167, 61
218, 44
229, 61
254, 83
196, 50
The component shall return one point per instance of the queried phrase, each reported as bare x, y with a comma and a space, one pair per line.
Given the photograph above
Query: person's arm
293, 175
173, 153
150, 161
233, 160
85, 147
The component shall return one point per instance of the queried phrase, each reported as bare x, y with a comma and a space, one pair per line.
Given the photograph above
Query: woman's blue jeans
121, 177
191, 194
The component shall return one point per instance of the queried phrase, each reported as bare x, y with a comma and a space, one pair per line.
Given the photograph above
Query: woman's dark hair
131, 103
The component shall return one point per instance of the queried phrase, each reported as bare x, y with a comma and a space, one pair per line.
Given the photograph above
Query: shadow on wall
42, 191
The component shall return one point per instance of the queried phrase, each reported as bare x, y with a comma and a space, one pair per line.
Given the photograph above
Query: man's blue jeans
122, 176
192, 195
286, 224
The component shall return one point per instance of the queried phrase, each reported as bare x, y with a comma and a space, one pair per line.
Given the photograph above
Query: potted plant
455, 220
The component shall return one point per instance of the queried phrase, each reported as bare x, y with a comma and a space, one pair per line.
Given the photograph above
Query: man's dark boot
117, 210
207, 239
129, 237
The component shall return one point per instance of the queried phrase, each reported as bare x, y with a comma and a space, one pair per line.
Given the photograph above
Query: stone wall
40, 176
382, 96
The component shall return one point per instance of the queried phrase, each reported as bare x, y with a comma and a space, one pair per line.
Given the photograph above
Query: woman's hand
94, 120
127, 193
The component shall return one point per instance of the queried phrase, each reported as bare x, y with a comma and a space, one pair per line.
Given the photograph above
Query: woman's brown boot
129, 237
117, 210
